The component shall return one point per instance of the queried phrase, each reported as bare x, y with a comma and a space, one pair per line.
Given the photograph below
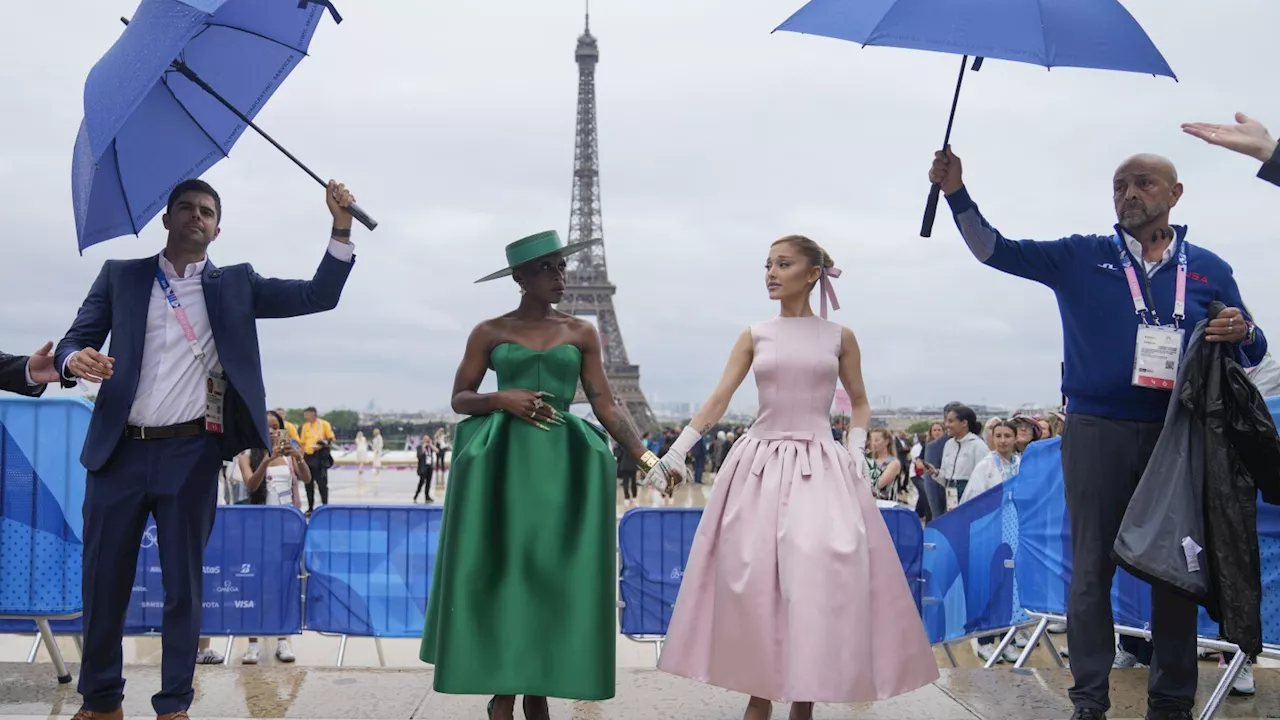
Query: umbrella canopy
1099, 34
148, 126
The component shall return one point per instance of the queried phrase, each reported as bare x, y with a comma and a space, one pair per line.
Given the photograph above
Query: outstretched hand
1247, 136
40, 366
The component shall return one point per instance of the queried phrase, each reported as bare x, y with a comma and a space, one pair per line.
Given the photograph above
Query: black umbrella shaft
191, 75
935, 192
955, 100
184, 70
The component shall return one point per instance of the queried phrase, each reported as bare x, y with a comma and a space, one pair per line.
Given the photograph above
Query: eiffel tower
587, 287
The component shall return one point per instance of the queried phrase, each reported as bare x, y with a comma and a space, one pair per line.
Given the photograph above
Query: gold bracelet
647, 461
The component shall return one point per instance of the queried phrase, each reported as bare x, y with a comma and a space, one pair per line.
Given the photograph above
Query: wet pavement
30, 691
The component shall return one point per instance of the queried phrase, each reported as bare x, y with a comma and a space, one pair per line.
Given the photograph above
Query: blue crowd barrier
369, 569
1042, 564
252, 584
41, 493
908, 538
654, 545
1269, 555
251, 573
1043, 561
968, 577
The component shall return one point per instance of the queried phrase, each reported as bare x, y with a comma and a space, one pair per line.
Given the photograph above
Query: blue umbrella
171, 97
1098, 34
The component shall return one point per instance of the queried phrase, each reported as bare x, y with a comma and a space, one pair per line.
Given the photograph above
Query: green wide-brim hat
535, 246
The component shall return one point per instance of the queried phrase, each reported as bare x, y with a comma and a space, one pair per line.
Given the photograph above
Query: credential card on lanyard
1157, 351
215, 383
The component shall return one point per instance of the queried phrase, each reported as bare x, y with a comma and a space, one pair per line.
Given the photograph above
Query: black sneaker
1154, 714
1088, 714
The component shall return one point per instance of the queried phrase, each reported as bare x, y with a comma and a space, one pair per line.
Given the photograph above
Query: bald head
1151, 164
1145, 188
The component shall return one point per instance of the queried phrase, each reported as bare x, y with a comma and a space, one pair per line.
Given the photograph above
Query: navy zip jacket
1099, 325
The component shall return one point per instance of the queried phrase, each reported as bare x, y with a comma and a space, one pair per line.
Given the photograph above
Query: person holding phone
272, 478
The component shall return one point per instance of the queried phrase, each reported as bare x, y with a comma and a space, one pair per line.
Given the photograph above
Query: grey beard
1146, 216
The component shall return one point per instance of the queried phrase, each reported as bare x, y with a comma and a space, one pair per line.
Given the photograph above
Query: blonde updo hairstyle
811, 251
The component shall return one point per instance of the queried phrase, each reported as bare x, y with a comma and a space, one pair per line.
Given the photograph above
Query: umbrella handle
930, 210
362, 216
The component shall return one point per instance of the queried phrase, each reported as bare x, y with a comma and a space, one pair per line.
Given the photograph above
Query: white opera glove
683, 444
671, 466
858, 441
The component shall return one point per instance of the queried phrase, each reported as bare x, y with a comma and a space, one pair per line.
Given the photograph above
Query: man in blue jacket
1128, 300
181, 391
1247, 137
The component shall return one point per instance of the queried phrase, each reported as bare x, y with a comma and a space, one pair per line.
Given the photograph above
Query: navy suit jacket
1271, 169
236, 297
13, 376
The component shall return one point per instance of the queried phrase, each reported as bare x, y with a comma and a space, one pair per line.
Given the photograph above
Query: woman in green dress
523, 598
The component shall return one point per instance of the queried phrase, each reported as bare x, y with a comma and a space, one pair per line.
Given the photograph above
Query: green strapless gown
523, 598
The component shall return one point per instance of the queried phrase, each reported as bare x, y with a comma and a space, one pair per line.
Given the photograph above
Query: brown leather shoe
117, 714
180, 715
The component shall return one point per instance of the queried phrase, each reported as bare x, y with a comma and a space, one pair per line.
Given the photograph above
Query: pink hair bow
826, 290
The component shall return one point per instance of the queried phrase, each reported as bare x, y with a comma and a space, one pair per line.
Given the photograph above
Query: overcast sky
453, 123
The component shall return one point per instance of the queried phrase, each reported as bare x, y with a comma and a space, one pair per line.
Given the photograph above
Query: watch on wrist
1250, 333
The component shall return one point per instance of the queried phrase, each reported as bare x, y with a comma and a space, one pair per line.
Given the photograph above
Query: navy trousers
176, 482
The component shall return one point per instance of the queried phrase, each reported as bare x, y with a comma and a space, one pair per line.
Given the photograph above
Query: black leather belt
190, 428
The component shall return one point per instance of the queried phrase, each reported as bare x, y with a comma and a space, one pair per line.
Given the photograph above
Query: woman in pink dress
793, 591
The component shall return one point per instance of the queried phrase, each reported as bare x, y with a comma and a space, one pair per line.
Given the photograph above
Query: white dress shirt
171, 386
1135, 247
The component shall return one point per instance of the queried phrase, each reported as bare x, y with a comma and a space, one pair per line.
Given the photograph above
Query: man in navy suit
181, 391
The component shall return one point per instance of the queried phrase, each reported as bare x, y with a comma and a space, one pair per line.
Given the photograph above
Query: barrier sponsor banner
369, 569
252, 569
251, 575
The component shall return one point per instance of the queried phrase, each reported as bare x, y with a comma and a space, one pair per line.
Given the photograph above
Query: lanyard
1139, 301
181, 314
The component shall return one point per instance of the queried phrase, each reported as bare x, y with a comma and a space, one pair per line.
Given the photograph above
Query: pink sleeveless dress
793, 591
